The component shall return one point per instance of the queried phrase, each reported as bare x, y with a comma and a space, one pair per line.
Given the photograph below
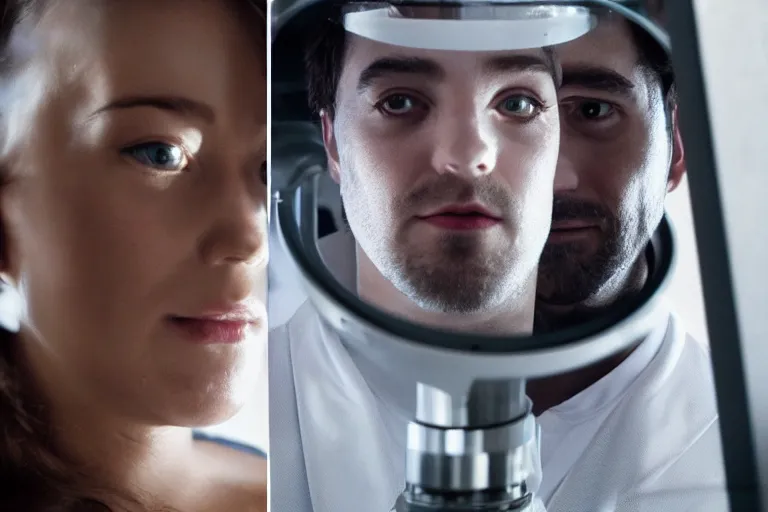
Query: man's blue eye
398, 104
158, 155
519, 105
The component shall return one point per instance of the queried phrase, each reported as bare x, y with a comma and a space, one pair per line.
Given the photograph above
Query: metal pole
725, 153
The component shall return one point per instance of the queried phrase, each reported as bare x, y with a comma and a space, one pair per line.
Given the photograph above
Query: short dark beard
576, 283
575, 276
546, 320
568, 273
465, 282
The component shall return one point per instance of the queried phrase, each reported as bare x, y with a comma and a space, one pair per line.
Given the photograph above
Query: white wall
733, 38
685, 292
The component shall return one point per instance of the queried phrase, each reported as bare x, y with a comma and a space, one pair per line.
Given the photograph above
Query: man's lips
464, 209
572, 230
572, 225
462, 217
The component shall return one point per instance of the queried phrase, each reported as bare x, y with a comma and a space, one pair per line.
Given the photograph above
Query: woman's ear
8, 264
6, 272
10, 300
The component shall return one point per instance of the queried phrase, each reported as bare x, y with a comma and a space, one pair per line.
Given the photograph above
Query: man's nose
464, 145
566, 178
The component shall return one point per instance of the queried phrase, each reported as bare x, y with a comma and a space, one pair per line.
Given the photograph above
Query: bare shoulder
239, 478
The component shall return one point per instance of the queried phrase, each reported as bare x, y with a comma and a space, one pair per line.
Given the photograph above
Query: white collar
612, 386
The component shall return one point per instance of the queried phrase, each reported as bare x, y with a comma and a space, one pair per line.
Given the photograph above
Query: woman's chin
200, 402
200, 413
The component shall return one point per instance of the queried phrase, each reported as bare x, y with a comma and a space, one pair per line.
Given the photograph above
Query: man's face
446, 164
616, 146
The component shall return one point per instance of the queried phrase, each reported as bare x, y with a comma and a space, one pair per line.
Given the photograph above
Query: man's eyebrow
431, 69
398, 65
176, 104
522, 63
597, 78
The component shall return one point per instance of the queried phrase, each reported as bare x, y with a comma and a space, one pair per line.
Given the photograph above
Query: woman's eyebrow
177, 104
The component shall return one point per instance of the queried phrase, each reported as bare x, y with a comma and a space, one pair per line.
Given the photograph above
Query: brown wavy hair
35, 474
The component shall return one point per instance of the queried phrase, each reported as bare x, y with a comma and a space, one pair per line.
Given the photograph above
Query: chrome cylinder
464, 460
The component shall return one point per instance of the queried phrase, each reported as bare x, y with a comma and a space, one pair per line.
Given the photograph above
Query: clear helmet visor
305, 192
450, 379
481, 27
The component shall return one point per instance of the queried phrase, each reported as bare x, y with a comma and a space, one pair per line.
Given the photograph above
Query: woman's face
135, 142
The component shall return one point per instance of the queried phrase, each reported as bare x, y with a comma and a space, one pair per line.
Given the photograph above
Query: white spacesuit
347, 425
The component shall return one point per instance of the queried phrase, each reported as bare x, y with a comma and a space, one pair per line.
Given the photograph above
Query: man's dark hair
326, 47
656, 61
323, 61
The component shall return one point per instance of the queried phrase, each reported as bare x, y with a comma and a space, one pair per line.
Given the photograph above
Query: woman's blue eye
158, 156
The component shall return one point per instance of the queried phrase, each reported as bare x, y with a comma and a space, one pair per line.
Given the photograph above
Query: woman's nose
238, 231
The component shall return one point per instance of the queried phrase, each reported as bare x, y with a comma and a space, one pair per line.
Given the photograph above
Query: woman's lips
209, 332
